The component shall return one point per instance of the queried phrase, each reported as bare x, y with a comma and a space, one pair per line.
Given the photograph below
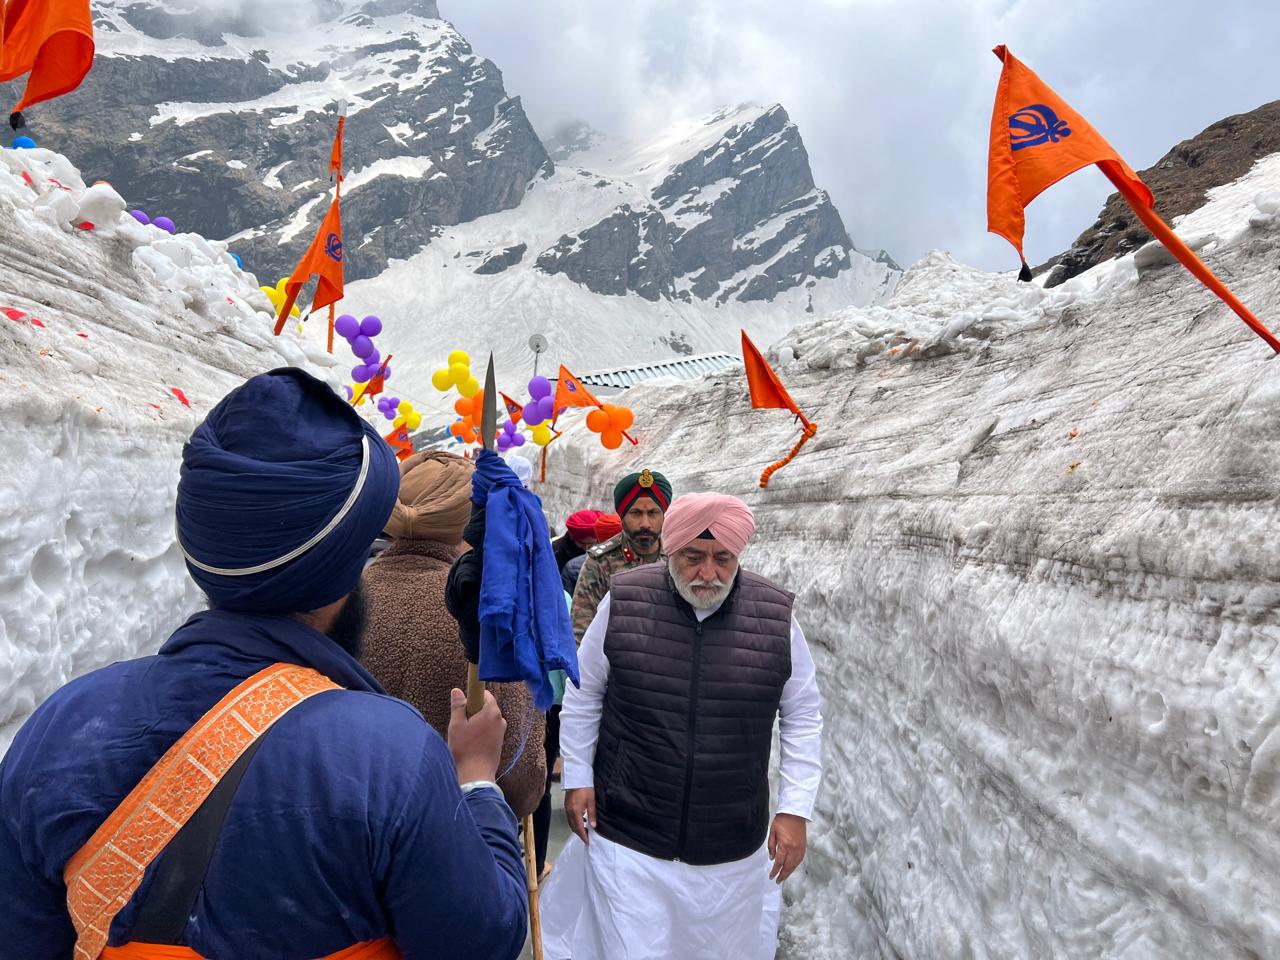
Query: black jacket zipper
688, 760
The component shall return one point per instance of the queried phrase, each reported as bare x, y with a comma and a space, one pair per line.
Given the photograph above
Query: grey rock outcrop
739, 219
502, 260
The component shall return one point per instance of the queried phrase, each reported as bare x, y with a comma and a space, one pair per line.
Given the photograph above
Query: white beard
710, 594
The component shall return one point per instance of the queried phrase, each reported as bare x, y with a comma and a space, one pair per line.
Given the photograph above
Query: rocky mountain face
1218, 155
222, 120
738, 217
226, 128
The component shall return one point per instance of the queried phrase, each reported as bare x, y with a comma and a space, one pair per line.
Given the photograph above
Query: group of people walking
266, 786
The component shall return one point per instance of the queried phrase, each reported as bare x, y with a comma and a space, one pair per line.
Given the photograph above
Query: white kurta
608, 902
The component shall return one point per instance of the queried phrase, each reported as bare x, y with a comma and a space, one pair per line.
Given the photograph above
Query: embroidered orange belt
105, 873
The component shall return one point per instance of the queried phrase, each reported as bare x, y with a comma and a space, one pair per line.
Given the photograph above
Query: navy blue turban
283, 489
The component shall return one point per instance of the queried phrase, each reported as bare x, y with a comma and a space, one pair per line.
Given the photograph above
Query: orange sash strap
369, 950
103, 876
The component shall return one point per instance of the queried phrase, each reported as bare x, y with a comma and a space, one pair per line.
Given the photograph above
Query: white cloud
893, 98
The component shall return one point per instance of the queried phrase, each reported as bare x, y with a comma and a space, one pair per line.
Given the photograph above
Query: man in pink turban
666, 747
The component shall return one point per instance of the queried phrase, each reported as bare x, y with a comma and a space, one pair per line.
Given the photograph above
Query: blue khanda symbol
571, 387
1034, 125
333, 246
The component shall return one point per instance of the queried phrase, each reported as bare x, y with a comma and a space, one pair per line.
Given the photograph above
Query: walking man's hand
787, 839
580, 810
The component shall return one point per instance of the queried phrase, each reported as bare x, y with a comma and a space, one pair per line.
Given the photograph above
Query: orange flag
50, 39
768, 393
323, 257
399, 441
570, 392
514, 410
1037, 140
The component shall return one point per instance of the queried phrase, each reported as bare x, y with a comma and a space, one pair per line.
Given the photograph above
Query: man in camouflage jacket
641, 499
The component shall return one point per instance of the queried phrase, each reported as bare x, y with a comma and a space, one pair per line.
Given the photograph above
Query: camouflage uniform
603, 561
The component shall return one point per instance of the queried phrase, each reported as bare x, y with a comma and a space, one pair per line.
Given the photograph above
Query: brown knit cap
435, 498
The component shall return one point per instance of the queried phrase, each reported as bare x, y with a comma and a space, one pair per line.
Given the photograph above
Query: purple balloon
386, 374
360, 374
539, 387
164, 223
393, 403
346, 326
349, 392
518, 440
141, 217
370, 326
504, 443
547, 407
362, 347
390, 413
532, 414
373, 359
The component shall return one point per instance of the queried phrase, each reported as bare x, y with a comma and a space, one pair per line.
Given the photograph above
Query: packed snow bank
1033, 545
103, 334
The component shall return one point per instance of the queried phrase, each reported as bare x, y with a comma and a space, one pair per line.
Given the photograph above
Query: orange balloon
612, 439
457, 428
469, 435
463, 407
622, 418
598, 421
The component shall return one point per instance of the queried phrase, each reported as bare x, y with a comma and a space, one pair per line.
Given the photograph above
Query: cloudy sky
893, 97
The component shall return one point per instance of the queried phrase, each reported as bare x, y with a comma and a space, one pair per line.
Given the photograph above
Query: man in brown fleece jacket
411, 642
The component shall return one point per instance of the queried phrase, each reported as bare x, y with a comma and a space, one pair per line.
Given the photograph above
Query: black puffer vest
682, 763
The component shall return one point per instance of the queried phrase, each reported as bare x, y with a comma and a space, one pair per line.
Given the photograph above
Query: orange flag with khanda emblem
52, 40
323, 257
570, 392
1037, 140
768, 393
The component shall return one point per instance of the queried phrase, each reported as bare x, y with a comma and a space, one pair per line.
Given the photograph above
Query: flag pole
531, 873
1186, 256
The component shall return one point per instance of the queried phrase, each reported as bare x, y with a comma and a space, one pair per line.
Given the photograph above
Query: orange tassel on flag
768, 393
1037, 140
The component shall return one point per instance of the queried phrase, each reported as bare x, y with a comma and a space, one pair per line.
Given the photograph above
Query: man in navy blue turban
339, 825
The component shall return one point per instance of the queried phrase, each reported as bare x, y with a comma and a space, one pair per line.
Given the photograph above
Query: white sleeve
583, 705
800, 732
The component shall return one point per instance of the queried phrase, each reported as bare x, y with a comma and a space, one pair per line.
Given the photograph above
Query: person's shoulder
767, 587
366, 722
601, 551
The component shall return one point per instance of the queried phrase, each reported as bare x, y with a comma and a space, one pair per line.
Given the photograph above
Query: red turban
582, 525
608, 526
727, 518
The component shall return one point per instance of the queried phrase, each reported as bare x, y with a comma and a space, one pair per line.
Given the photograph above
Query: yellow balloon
442, 381
414, 421
405, 407
470, 388
542, 434
270, 294
459, 373
297, 313
280, 287
460, 356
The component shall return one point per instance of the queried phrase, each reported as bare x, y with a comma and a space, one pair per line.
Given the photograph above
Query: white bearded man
666, 750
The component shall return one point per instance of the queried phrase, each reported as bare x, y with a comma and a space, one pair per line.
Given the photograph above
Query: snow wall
1034, 548
97, 326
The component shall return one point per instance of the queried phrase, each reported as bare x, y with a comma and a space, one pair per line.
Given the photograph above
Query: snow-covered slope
1033, 546
97, 328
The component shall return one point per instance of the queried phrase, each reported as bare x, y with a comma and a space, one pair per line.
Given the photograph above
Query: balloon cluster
457, 374
401, 411
470, 410
540, 410
164, 223
510, 436
277, 294
610, 422
359, 334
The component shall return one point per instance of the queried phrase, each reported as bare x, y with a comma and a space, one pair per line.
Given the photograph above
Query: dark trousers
542, 816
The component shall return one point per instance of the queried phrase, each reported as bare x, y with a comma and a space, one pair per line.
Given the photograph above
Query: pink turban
728, 518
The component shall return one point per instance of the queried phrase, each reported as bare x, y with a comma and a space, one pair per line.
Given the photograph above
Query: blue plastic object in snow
23, 143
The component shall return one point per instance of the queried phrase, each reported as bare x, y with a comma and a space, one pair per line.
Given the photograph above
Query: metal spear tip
489, 416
